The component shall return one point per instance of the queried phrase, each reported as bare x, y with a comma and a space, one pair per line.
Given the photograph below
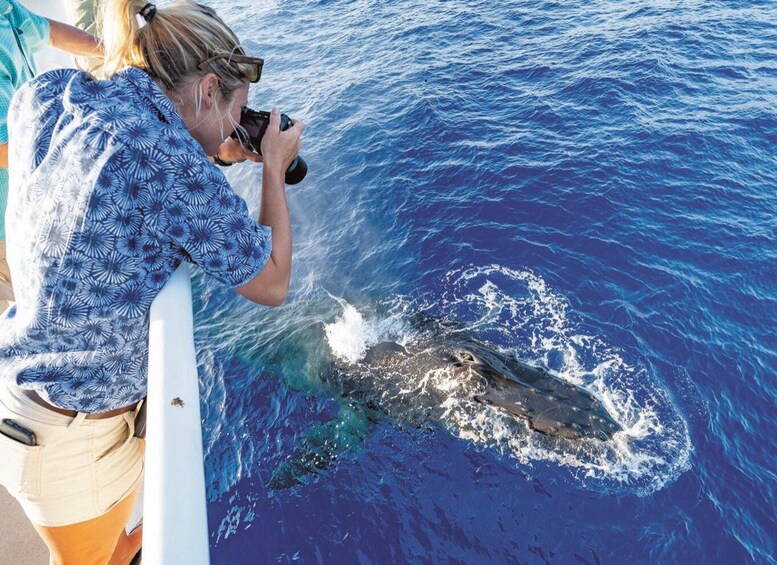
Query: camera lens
296, 171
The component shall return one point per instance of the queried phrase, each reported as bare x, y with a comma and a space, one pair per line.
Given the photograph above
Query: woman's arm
271, 285
73, 40
3, 155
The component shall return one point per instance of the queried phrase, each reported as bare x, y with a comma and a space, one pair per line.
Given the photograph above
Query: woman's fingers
232, 151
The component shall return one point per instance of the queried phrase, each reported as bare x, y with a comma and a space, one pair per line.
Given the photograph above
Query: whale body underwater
399, 382
549, 404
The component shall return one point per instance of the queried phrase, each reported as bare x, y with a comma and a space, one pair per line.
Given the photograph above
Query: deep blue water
588, 186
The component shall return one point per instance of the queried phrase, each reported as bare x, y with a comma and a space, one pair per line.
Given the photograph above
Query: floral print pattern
108, 194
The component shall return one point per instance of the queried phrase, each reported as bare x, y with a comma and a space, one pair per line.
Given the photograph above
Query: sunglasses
255, 62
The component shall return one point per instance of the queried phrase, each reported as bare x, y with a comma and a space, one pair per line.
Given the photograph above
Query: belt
35, 397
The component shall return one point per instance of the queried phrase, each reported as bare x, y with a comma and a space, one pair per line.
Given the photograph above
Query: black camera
255, 124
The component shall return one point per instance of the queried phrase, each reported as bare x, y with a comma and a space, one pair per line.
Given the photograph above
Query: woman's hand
232, 151
281, 147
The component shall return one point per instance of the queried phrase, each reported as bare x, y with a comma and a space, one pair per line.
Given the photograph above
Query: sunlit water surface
588, 187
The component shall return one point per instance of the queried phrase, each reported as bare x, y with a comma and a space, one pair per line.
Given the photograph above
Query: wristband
220, 162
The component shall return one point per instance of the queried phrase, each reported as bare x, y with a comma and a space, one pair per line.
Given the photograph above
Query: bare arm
67, 38
271, 286
73, 40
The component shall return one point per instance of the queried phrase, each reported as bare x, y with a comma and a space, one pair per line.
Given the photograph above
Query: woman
112, 187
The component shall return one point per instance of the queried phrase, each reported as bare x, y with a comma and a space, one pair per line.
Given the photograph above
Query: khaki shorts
80, 468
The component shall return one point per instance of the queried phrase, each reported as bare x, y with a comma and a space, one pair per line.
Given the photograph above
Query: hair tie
147, 12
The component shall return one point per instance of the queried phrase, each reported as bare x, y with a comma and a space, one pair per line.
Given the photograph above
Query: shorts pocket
118, 470
20, 467
125, 437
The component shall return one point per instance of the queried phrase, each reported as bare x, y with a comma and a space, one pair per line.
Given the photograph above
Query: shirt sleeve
6, 93
209, 222
35, 28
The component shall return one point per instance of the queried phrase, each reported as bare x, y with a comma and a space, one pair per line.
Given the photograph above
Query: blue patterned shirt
109, 193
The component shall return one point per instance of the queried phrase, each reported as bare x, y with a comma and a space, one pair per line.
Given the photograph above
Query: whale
549, 404
416, 383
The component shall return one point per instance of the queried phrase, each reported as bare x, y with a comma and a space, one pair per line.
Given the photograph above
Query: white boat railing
175, 525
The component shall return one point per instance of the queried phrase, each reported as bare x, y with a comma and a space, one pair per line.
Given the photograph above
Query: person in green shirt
22, 33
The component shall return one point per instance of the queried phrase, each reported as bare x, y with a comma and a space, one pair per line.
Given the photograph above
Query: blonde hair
172, 43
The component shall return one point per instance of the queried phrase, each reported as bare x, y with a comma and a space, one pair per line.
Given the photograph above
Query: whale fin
322, 446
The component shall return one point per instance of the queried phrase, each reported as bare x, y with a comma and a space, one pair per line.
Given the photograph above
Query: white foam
350, 336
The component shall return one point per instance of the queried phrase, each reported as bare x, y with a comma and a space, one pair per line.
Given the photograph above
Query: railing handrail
175, 525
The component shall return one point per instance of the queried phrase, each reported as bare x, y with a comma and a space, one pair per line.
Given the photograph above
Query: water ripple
623, 153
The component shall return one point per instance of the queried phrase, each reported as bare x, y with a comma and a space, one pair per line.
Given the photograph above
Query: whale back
384, 352
548, 403
551, 405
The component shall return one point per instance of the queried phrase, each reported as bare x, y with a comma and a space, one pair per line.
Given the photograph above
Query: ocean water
586, 186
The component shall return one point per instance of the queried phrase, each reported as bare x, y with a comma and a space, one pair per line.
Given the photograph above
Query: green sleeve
35, 28
6, 93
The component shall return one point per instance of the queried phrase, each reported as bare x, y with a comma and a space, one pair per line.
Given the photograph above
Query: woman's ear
209, 88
